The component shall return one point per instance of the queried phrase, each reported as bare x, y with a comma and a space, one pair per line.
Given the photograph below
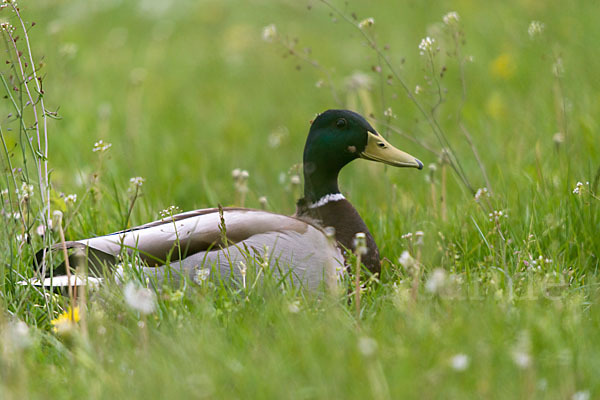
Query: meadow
489, 286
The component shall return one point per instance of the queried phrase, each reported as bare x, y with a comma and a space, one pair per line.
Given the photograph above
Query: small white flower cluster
437, 281
367, 346
140, 298
101, 147
25, 192
481, 192
202, 274
16, 215
137, 181
460, 362
426, 45
406, 260
418, 89
579, 187
15, 336
366, 23
418, 235
535, 29
294, 307
277, 137
263, 201
6, 27
359, 80
269, 33
360, 243
295, 180
521, 351
581, 395
169, 211
240, 176
497, 215
70, 199
451, 18
388, 113
558, 138
537, 263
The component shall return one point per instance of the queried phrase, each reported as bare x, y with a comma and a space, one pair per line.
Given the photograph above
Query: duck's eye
341, 123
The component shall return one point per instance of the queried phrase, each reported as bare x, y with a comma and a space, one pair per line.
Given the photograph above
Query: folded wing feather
294, 246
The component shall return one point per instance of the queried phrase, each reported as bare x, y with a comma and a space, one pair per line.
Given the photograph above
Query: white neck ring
326, 199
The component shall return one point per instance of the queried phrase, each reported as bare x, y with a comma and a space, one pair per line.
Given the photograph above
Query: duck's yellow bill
379, 149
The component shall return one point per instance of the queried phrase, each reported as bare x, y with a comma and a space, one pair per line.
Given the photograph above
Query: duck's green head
337, 137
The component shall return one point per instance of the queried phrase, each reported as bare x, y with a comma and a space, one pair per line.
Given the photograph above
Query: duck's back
223, 242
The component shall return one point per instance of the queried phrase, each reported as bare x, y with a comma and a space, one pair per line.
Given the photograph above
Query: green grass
187, 94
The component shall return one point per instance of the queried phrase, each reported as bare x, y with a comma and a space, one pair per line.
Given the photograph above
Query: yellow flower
503, 66
66, 321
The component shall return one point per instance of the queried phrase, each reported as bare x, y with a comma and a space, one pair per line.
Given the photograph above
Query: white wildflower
418, 89
277, 136
522, 359
436, 281
426, 45
481, 192
6, 27
535, 29
558, 138
137, 181
520, 352
578, 188
70, 199
202, 275
388, 112
140, 298
295, 180
359, 80
581, 395
101, 147
294, 307
4, 192
169, 211
269, 33
263, 201
496, 216
406, 260
21, 238
367, 346
451, 18
419, 235
460, 362
40, 230
408, 236
25, 192
367, 22
17, 335
360, 243
319, 84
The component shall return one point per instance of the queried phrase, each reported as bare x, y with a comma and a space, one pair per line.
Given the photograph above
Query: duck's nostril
382, 145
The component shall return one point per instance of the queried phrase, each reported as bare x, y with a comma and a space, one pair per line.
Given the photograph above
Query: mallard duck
220, 240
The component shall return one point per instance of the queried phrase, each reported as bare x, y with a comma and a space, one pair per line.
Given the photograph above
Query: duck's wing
190, 240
